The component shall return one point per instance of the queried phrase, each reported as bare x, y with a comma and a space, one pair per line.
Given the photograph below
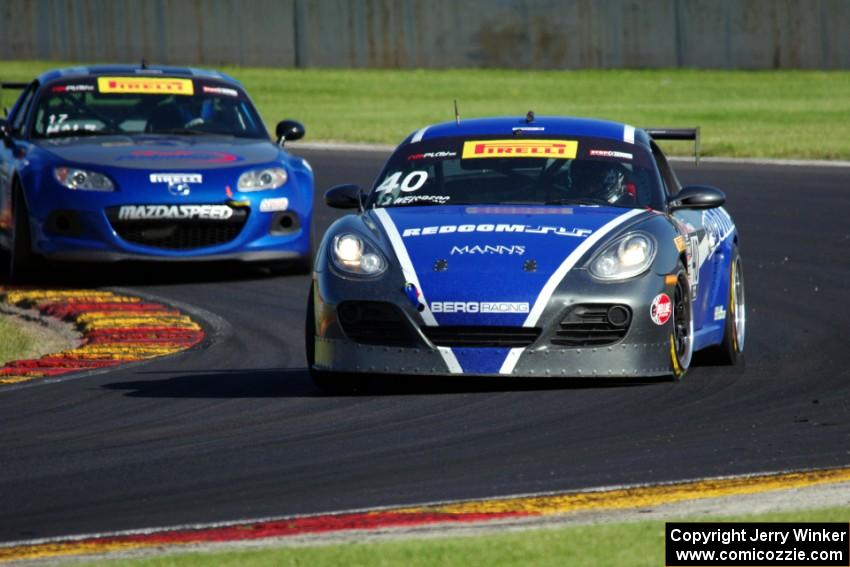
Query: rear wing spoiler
10, 87
677, 134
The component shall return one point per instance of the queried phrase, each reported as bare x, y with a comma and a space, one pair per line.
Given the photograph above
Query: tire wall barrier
540, 34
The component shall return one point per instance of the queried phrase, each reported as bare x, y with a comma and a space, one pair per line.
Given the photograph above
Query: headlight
624, 258
80, 179
356, 255
262, 179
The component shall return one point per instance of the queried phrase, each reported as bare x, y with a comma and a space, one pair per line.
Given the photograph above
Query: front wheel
682, 337
21, 260
330, 383
297, 267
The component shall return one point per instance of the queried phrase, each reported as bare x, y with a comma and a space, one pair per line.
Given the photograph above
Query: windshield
145, 105
539, 171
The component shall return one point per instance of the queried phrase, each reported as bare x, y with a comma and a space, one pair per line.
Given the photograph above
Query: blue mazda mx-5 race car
148, 163
526, 247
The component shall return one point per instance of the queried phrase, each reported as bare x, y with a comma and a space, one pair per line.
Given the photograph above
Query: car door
17, 122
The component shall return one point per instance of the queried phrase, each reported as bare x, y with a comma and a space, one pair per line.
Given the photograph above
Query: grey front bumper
620, 360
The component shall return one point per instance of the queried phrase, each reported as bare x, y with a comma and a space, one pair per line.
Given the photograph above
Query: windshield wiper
79, 133
512, 203
414, 204
578, 201
181, 131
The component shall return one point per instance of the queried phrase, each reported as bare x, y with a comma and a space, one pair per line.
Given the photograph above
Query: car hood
495, 254
489, 265
160, 152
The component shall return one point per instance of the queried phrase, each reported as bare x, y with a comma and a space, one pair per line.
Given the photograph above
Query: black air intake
593, 325
178, 234
482, 336
375, 323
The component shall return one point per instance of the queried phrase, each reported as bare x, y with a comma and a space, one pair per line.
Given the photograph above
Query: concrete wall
551, 34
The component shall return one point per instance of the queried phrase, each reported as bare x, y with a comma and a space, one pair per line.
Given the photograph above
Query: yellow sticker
145, 85
680, 243
564, 149
677, 370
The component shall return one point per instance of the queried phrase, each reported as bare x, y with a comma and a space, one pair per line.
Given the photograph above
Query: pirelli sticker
145, 85
475, 149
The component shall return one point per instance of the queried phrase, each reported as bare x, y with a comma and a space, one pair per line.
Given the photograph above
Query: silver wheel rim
739, 306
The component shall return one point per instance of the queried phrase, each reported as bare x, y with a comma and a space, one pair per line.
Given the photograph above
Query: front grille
483, 336
593, 325
375, 323
179, 234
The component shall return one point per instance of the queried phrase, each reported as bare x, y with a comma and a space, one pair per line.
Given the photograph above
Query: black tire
303, 266
310, 330
4, 263
297, 267
21, 260
330, 383
682, 337
730, 351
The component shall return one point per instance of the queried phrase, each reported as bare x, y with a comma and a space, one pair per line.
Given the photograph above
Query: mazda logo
179, 189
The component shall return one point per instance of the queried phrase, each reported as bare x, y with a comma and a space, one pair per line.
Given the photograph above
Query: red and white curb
463, 513
116, 329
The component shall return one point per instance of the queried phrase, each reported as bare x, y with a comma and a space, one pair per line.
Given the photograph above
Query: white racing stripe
555, 280
629, 134
409, 273
510, 361
417, 137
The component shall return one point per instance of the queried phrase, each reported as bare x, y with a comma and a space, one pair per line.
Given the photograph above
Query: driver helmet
598, 180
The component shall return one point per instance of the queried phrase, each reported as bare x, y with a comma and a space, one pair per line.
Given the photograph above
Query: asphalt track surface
236, 430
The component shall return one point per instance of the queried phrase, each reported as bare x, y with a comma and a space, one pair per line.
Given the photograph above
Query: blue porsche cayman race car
148, 163
526, 247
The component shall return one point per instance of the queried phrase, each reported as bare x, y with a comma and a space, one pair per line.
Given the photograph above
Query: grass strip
14, 343
778, 114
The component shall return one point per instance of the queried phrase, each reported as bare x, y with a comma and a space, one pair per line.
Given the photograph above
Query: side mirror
288, 131
5, 133
697, 197
344, 197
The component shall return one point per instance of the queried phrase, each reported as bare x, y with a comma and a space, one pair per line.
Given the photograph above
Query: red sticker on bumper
661, 309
